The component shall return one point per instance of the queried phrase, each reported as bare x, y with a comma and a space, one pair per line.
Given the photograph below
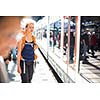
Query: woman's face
30, 28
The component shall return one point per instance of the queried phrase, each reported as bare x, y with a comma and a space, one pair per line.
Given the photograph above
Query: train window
54, 37
54, 43
69, 48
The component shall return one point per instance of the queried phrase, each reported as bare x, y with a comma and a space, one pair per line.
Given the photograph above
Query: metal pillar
68, 50
77, 43
48, 34
62, 36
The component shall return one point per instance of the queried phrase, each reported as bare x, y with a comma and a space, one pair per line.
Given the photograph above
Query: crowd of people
89, 45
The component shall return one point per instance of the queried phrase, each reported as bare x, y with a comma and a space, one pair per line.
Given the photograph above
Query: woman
26, 56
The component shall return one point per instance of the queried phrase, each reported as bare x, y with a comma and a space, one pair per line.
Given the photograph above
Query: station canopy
94, 19
37, 18
84, 19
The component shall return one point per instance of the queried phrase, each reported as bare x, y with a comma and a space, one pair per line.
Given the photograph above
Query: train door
68, 38
90, 49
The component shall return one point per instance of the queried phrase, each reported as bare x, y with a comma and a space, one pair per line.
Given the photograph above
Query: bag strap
23, 42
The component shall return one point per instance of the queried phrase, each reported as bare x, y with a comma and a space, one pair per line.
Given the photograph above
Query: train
59, 39
49, 35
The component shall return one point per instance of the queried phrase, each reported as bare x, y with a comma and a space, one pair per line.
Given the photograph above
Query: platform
42, 72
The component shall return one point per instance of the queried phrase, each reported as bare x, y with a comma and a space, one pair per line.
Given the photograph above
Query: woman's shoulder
34, 37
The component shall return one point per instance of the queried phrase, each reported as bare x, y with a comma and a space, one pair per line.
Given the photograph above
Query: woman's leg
24, 75
30, 71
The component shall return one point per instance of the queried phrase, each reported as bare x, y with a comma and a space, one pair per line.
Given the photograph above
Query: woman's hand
19, 70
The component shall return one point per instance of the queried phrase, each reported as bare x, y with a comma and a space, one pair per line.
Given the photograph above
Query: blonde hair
26, 21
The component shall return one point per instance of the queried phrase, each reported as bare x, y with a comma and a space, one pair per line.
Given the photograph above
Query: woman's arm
35, 44
35, 47
19, 56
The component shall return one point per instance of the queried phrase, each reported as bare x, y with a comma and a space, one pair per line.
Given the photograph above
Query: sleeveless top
28, 51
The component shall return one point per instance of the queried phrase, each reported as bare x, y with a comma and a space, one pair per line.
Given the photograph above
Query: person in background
9, 27
13, 55
85, 40
72, 43
93, 43
50, 41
